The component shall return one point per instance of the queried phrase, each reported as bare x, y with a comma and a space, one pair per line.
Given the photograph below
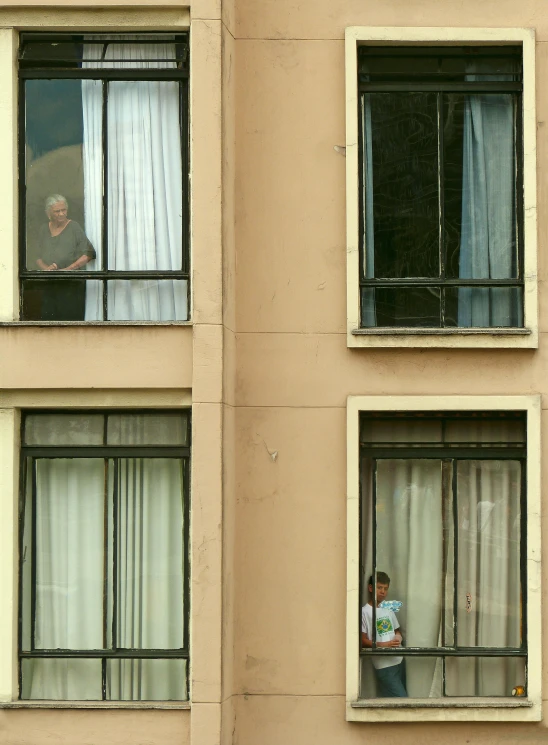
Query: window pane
401, 184
489, 583
147, 680
148, 552
61, 679
148, 300
69, 553
55, 160
484, 676
413, 513
147, 429
401, 306
64, 429
61, 299
482, 306
479, 185
480, 431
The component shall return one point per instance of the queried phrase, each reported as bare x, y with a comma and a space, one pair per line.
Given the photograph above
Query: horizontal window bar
445, 652
416, 453
123, 654
439, 283
440, 86
106, 451
108, 274
104, 73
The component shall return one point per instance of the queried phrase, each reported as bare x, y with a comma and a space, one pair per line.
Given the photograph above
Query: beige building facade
275, 369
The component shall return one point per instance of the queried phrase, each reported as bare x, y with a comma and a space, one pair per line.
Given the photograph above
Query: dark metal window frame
47, 69
441, 84
29, 455
448, 453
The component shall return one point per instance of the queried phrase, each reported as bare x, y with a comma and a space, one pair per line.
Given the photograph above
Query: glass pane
64, 429
484, 307
147, 429
145, 179
489, 611
61, 300
147, 680
502, 431
61, 680
401, 306
412, 516
485, 676
401, 179
480, 185
148, 300
395, 431
69, 553
62, 232
149, 554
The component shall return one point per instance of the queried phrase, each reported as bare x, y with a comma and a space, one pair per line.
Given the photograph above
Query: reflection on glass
484, 306
58, 299
146, 680
64, 429
147, 429
489, 585
401, 140
401, 306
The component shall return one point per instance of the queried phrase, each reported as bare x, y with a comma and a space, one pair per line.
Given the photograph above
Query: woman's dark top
65, 248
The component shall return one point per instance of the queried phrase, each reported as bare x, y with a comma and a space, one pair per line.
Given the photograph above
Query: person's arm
46, 267
80, 262
366, 641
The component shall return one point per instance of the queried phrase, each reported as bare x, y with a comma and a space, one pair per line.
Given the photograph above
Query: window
441, 168
443, 550
104, 580
104, 224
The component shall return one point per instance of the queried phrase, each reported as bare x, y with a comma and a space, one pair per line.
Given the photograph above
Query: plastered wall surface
294, 371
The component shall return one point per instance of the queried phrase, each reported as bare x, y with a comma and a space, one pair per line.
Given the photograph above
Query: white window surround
456, 709
526, 337
11, 404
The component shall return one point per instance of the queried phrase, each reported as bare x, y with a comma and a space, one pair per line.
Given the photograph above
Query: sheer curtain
108, 551
488, 246
145, 183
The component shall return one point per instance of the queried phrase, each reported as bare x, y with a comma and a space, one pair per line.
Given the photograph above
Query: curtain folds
145, 182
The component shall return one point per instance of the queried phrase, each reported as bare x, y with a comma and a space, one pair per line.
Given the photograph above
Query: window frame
358, 336
29, 454
33, 70
449, 708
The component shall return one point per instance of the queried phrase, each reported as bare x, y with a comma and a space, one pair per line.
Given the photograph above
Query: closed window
104, 595
441, 186
104, 199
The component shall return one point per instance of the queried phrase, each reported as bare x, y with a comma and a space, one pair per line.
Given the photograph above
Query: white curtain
488, 247
414, 546
137, 519
145, 183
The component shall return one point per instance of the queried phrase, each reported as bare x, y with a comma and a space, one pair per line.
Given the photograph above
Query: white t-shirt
387, 623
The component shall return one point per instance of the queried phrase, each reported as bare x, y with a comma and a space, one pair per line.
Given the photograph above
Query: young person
388, 668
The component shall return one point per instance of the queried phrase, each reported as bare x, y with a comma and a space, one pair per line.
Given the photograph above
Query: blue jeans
390, 682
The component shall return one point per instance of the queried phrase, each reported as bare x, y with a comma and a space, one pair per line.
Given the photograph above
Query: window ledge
397, 331
95, 705
108, 324
443, 703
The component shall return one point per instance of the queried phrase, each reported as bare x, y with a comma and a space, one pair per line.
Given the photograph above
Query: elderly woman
62, 245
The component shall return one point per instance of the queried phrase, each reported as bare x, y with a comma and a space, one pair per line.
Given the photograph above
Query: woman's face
58, 212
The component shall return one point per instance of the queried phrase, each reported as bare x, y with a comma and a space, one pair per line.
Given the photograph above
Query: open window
104, 201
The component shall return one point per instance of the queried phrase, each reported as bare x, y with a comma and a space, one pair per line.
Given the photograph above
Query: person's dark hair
382, 577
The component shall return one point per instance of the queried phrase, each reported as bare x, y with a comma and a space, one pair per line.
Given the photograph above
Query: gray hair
53, 199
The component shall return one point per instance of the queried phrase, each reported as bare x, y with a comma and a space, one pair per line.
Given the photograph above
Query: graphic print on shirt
384, 626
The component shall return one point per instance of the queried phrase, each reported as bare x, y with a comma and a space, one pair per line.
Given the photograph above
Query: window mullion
454, 502
374, 568
104, 242
441, 206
